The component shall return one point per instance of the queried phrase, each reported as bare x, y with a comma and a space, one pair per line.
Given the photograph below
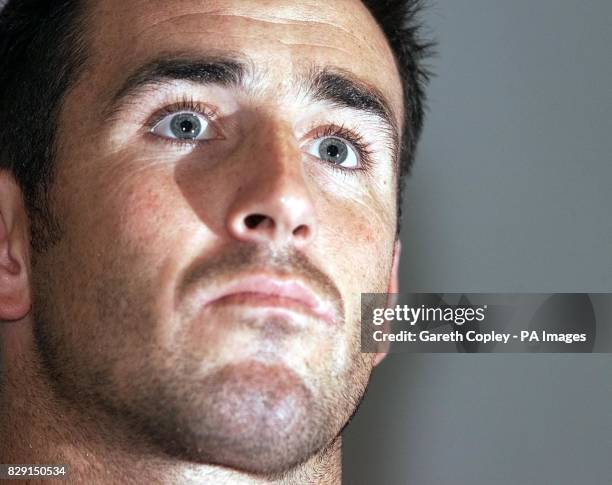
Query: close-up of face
207, 208
225, 189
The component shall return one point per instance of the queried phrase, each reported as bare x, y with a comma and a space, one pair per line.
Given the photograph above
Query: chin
250, 416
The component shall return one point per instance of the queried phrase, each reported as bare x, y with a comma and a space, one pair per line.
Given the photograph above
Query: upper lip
282, 287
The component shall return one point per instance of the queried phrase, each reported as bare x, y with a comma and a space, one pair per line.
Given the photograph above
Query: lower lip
263, 300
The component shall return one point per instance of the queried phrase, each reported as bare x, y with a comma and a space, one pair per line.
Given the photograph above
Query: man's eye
335, 150
184, 126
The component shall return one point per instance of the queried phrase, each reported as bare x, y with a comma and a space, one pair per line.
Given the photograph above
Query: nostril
254, 220
301, 231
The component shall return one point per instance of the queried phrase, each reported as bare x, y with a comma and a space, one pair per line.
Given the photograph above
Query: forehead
280, 36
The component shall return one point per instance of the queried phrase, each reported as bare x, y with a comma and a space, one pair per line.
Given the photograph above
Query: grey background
512, 192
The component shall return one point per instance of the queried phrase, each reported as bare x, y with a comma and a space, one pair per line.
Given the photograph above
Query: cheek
357, 241
121, 222
122, 200
354, 247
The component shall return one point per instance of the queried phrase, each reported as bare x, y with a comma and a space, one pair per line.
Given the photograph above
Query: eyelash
339, 131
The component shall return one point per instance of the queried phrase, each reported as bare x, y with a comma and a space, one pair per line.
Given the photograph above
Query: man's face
226, 190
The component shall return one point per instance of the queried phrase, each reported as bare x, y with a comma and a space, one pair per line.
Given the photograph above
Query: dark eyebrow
337, 87
344, 90
223, 71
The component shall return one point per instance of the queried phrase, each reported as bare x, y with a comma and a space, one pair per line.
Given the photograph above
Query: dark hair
401, 24
40, 51
42, 48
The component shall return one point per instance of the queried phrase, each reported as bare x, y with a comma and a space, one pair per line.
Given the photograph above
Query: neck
39, 427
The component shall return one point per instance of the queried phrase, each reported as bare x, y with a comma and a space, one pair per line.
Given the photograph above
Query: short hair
43, 47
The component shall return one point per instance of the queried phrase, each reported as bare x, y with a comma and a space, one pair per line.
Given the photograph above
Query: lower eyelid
176, 142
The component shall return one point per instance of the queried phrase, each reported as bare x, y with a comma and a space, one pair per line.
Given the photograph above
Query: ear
392, 290
15, 295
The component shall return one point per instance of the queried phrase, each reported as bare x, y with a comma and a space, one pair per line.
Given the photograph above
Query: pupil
186, 126
333, 151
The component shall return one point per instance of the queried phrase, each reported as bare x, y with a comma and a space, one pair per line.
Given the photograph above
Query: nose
273, 203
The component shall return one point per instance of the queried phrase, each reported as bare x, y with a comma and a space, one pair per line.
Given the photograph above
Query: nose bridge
274, 164
276, 153
274, 201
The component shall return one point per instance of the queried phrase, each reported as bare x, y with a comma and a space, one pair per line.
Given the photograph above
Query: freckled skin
134, 366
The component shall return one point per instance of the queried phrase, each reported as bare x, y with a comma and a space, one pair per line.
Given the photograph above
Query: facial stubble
257, 416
